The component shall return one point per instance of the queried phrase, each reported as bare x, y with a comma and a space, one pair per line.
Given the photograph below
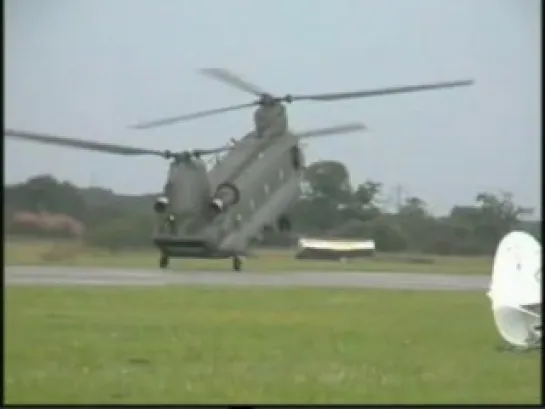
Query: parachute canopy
515, 289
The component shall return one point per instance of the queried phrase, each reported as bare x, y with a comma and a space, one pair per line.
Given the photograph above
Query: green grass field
74, 254
190, 345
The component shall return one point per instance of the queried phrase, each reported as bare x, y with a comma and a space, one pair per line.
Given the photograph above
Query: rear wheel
237, 263
163, 261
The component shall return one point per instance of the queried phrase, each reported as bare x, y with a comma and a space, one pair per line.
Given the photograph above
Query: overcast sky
88, 68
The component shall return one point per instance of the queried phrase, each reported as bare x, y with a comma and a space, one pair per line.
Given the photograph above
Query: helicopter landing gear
237, 263
163, 261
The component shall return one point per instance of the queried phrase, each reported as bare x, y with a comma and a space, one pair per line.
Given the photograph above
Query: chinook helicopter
216, 213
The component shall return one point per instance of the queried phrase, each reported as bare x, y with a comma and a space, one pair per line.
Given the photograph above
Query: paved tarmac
54, 276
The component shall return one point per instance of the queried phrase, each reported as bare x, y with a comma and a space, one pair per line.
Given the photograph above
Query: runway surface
108, 277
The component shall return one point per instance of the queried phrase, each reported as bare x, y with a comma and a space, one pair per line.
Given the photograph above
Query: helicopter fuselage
216, 214
254, 184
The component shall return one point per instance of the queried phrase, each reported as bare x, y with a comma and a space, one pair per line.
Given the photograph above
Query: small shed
321, 249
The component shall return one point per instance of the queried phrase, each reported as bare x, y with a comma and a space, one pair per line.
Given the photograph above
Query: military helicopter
217, 213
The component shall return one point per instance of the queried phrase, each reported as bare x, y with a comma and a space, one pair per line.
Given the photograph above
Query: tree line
330, 206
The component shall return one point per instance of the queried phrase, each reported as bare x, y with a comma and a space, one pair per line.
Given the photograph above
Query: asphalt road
107, 277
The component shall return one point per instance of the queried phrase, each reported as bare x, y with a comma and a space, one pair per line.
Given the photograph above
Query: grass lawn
74, 254
189, 345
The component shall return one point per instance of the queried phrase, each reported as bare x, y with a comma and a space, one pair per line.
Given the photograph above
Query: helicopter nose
161, 204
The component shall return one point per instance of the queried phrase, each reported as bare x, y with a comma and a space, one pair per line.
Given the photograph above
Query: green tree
326, 191
498, 215
45, 193
417, 223
365, 205
387, 234
329, 180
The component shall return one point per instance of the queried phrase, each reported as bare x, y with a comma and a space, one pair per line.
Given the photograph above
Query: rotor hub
270, 100
267, 100
288, 98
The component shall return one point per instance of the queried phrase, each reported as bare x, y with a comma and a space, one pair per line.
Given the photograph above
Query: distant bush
44, 224
122, 233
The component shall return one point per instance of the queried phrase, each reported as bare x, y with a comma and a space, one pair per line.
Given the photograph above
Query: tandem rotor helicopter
216, 213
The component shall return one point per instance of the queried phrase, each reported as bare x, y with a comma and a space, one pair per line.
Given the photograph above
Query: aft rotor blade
234, 80
347, 128
382, 91
180, 118
223, 148
79, 144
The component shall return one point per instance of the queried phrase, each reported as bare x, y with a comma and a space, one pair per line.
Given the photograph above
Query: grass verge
75, 254
192, 345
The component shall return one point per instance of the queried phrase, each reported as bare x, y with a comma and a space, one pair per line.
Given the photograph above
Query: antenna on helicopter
266, 99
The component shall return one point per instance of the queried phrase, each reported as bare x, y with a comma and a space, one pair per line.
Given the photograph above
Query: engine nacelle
226, 196
161, 204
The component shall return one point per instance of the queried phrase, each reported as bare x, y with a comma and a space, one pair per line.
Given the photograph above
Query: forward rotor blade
213, 151
172, 120
79, 144
234, 80
347, 128
381, 91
